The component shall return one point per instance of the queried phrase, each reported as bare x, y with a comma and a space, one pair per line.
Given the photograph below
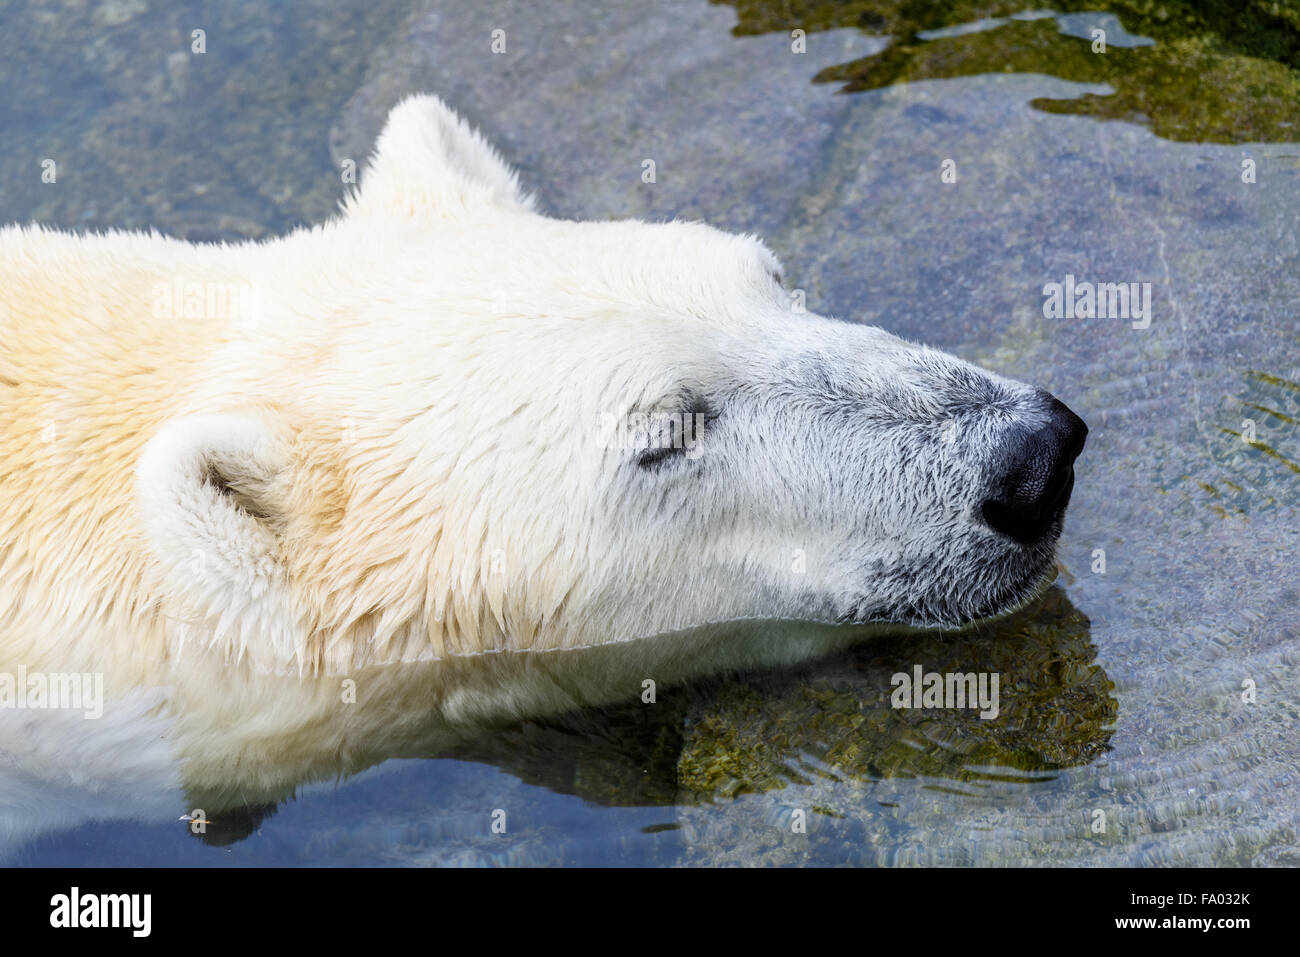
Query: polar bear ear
206, 493
430, 163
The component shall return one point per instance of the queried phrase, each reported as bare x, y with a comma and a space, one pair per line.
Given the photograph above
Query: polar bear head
459, 425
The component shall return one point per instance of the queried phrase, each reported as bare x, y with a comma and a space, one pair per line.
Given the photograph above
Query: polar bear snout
1030, 497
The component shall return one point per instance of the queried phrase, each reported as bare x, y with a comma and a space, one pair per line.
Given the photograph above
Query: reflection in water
1223, 72
758, 732
733, 713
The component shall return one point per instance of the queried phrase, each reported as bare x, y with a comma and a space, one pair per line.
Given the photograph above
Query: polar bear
472, 461
445, 424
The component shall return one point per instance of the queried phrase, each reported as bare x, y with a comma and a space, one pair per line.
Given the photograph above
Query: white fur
221, 567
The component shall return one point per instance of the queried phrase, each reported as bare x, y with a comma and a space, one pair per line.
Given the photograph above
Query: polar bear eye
667, 437
653, 457
778, 278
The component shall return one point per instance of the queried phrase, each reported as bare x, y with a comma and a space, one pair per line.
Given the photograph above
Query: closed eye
650, 458
676, 436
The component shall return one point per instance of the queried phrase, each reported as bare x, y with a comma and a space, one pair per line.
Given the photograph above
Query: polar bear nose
1035, 489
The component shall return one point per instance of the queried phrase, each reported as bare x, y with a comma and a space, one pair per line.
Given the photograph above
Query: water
1124, 737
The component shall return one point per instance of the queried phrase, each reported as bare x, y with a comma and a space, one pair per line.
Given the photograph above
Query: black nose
1035, 488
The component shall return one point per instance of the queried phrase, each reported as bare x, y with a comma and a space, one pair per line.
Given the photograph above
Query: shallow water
1122, 691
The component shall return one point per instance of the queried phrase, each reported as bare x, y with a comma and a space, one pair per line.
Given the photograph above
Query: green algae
1216, 72
758, 732
1056, 712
